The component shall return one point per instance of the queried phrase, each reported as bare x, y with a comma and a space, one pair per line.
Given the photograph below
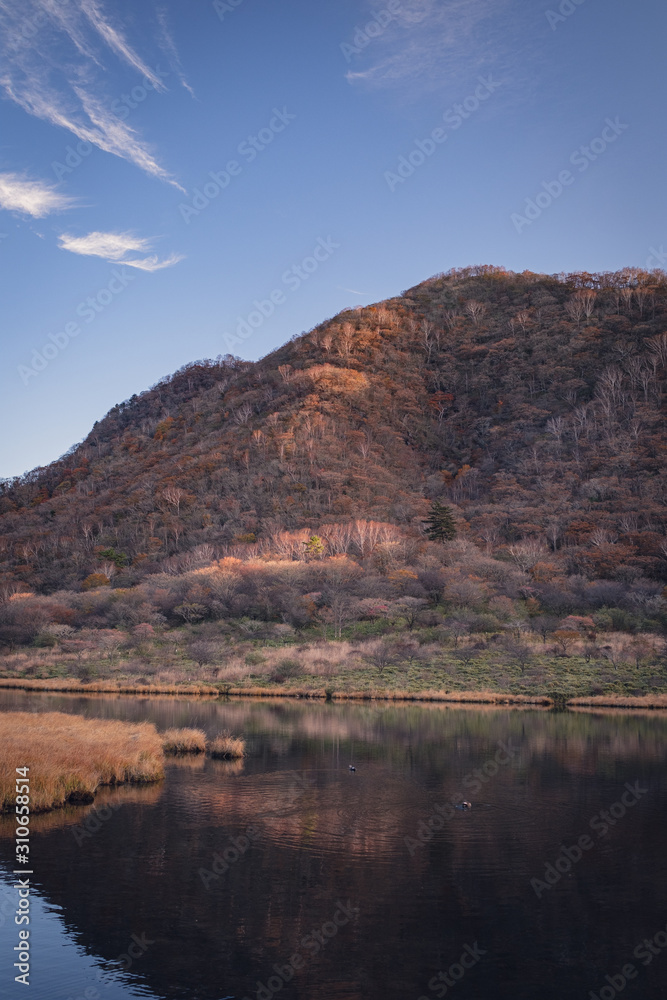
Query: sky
183, 179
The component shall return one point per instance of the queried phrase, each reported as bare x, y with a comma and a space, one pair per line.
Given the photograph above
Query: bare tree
519, 653
338, 537
627, 295
658, 348
601, 536
644, 296
457, 629
609, 392
243, 414
556, 427
381, 654
523, 318
428, 337
588, 297
338, 612
476, 311
203, 651
174, 496
553, 531
574, 307
345, 342
526, 553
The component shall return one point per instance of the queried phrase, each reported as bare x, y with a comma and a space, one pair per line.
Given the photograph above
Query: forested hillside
532, 406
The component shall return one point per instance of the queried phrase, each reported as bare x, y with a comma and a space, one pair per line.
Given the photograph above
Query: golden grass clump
175, 741
70, 757
227, 747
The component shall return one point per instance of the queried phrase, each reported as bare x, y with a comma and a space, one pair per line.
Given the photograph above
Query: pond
287, 874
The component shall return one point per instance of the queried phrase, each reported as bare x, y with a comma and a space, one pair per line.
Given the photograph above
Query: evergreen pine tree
314, 547
440, 526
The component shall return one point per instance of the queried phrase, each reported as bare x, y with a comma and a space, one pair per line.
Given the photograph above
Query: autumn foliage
531, 407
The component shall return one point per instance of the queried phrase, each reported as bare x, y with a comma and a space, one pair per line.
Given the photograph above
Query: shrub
44, 640
255, 659
288, 668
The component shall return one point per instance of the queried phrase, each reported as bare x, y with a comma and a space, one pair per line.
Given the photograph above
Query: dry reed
227, 747
70, 757
383, 694
652, 701
175, 741
106, 687
65, 685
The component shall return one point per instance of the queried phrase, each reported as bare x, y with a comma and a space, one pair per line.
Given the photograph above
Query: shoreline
653, 702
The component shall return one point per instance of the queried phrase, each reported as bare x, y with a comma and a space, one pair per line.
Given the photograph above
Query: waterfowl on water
465, 805
351, 767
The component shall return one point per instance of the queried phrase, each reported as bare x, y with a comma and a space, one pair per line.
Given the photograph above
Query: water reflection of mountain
338, 835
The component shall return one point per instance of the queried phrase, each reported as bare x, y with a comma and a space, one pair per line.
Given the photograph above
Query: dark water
322, 851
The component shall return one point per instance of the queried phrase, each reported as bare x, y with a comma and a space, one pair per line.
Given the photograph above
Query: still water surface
289, 875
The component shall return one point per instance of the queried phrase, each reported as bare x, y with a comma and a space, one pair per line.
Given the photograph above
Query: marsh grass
227, 747
182, 741
71, 757
620, 701
105, 687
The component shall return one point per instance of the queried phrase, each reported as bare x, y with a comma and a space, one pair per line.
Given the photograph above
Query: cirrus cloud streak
115, 248
54, 59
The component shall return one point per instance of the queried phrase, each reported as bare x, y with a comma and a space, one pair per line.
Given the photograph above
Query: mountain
533, 405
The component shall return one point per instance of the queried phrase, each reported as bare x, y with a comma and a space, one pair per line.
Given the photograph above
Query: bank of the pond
107, 687
649, 700
277, 691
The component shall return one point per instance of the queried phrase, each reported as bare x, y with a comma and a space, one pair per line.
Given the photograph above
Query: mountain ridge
532, 404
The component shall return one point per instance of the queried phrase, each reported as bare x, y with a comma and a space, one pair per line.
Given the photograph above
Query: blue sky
183, 179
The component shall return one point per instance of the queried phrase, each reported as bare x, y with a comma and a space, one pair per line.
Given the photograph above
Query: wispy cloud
433, 43
115, 248
18, 194
168, 46
152, 263
54, 58
116, 41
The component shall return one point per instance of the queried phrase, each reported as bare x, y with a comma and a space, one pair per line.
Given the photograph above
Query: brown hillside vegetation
292, 491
